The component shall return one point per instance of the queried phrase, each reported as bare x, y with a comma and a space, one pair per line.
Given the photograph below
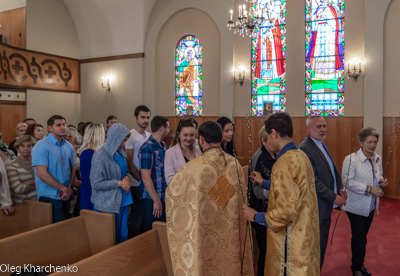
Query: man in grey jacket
327, 177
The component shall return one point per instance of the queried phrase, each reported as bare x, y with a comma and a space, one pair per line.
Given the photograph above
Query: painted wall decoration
188, 77
268, 58
33, 70
324, 57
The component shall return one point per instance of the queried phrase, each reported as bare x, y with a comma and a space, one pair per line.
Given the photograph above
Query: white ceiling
110, 27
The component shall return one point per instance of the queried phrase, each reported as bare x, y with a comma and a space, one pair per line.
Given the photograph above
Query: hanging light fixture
250, 19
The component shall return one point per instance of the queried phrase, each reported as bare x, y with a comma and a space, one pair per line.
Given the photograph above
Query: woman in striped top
20, 172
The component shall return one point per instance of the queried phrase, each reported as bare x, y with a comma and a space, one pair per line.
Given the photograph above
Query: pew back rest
60, 243
30, 215
141, 255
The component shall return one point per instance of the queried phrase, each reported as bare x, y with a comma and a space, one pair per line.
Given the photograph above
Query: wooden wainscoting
11, 114
13, 27
174, 120
342, 139
391, 168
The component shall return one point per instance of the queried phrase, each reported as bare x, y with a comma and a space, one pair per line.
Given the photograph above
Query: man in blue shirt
153, 183
53, 159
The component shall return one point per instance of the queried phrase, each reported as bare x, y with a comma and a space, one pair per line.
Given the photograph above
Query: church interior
102, 57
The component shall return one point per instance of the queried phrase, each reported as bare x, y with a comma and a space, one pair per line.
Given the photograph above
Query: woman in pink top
183, 149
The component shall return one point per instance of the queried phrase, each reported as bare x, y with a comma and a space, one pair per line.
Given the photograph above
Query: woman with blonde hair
93, 139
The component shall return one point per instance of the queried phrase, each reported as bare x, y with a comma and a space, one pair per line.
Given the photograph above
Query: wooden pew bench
146, 254
29, 216
62, 243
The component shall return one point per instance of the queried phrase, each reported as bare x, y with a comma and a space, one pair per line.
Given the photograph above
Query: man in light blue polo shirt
53, 159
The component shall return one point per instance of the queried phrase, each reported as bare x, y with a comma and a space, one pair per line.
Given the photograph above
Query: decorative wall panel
34, 70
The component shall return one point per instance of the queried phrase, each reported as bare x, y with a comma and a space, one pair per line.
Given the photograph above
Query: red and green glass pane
268, 56
324, 56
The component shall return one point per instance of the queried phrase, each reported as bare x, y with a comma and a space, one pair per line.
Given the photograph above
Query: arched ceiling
110, 27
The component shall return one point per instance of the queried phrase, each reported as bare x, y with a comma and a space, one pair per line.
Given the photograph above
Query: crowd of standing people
132, 174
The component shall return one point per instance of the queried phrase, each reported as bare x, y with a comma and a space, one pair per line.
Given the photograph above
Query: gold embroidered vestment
205, 224
293, 216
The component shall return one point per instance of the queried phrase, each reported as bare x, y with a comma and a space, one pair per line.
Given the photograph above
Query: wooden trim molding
22, 68
13, 102
110, 58
12, 89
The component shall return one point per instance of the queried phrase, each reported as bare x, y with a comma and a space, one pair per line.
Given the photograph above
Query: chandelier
249, 20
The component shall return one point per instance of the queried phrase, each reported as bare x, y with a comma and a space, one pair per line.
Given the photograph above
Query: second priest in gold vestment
292, 216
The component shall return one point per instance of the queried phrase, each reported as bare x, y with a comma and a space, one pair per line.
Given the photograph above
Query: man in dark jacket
327, 177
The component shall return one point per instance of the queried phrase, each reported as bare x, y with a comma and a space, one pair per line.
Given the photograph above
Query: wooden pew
61, 243
146, 254
30, 215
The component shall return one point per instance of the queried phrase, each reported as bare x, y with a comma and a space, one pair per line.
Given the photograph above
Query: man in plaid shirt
153, 184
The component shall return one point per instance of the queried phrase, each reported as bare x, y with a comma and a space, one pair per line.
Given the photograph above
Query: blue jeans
60, 208
146, 213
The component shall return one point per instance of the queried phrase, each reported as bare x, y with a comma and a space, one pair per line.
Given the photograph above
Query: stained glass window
324, 57
268, 58
188, 76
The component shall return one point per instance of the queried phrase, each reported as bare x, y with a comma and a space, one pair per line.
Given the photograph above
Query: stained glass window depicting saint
324, 57
188, 76
268, 58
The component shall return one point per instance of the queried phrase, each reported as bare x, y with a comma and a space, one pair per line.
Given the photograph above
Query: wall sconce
107, 87
354, 73
241, 78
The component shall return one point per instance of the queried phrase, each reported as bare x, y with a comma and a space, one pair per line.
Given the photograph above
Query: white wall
183, 23
125, 94
239, 97
50, 29
6, 5
41, 105
391, 44
46, 32
161, 13
110, 27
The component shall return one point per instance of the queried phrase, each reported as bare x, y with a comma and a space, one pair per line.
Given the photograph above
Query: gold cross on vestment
222, 192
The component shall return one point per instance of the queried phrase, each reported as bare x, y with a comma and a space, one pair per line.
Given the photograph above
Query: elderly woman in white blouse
362, 177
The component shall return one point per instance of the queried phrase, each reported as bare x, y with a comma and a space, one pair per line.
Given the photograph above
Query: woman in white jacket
362, 177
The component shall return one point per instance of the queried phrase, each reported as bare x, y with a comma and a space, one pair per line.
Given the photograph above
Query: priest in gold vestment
205, 224
292, 216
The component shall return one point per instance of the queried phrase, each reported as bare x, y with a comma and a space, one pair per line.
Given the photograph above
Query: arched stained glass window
324, 57
268, 58
188, 76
